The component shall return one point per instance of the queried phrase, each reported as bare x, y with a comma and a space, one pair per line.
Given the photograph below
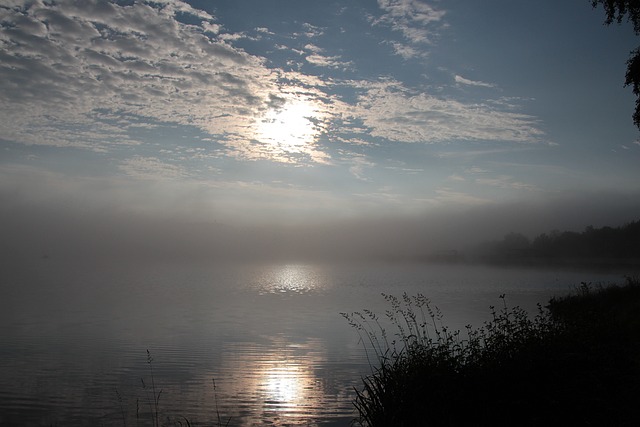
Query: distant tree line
606, 245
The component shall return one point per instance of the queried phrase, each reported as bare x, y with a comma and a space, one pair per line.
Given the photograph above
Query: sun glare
290, 128
290, 278
285, 384
277, 382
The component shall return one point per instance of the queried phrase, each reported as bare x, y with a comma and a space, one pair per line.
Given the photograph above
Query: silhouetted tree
617, 10
606, 244
515, 244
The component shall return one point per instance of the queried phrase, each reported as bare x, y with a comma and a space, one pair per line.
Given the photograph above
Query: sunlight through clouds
291, 128
308, 108
143, 61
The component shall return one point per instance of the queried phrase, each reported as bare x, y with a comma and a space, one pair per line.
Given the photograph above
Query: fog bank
79, 229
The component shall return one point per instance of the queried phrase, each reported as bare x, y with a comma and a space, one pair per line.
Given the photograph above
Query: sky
217, 126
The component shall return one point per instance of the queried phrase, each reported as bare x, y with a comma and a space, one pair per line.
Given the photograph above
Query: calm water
73, 341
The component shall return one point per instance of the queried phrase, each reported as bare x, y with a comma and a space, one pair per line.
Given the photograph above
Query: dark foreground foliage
576, 363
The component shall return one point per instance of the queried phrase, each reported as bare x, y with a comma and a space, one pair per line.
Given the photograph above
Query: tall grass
152, 399
155, 400
515, 369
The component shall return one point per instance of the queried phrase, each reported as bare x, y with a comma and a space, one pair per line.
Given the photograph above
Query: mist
47, 225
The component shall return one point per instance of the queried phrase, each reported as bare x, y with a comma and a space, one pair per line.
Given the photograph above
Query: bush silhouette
575, 363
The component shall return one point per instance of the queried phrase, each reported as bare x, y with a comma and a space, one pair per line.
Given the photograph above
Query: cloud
151, 168
284, 47
312, 31
64, 64
313, 48
482, 152
316, 58
403, 169
477, 170
456, 178
499, 181
507, 182
391, 111
329, 61
462, 80
89, 74
415, 19
406, 51
359, 165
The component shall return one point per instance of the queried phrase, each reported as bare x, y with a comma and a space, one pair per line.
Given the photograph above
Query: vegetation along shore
576, 362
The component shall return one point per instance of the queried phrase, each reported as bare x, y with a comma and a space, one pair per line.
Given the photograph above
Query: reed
569, 364
152, 399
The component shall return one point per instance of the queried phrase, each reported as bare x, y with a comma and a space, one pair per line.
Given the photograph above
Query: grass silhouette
152, 399
576, 362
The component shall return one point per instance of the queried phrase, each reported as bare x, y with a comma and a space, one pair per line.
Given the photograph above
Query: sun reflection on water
278, 384
284, 385
290, 278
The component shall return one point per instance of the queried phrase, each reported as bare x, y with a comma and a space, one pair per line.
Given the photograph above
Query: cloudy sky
286, 112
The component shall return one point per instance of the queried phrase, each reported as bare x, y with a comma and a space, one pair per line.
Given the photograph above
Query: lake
74, 340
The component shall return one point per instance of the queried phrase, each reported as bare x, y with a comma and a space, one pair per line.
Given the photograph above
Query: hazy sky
254, 112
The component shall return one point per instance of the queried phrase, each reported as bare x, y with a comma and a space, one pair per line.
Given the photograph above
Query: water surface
75, 340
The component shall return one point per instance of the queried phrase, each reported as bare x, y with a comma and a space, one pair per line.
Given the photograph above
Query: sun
290, 128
